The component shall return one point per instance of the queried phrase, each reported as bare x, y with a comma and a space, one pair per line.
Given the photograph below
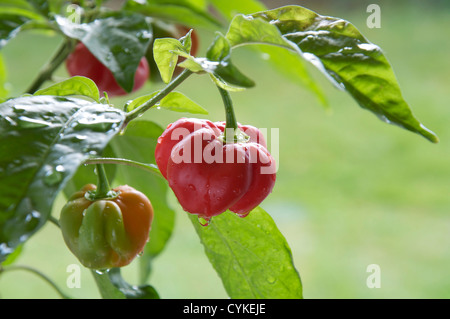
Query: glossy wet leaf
43, 140
138, 143
13, 256
16, 15
10, 26
176, 11
174, 101
287, 63
250, 255
228, 9
219, 66
46, 7
293, 67
338, 50
119, 41
224, 70
20, 8
77, 85
166, 56
113, 286
4, 91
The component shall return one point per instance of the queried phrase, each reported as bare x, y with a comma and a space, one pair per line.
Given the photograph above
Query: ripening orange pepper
106, 233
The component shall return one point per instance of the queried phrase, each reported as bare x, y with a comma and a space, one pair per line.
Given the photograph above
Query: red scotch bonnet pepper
210, 175
83, 63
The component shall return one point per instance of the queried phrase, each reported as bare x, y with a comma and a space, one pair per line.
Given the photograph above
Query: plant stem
38, 273
46, 72
102, 184
122, 161
158, 97
54, 221
231, 122
229, 111
105, 286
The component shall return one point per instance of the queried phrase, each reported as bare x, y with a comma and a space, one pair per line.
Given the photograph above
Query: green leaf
10, 26
77, 85
217, 62
220, 49
43, 140
174, 101
192, 64
43, 6
3, 80
293, 67
18, 15
232, 77
224, 85
105, 286
13, 256
165, 53
138, 143
119, 41
230, 8
226, 74
219, 66
113, 286
250, 255
19, 8
338, 50
177, 11
246, 30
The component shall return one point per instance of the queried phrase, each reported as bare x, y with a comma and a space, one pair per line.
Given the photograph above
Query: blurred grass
351, 190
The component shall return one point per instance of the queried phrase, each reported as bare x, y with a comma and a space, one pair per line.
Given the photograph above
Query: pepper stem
103, 190
102, 184
158, 97
231, 121
229, 111
46, 72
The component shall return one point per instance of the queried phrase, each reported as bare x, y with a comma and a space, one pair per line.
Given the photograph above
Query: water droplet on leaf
10, 120
53, 175
271, 280
5, 249
27, 122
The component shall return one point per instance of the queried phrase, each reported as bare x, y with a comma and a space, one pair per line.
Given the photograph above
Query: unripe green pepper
106, 233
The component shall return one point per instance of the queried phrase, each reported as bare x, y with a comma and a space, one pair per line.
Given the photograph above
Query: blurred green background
351, 190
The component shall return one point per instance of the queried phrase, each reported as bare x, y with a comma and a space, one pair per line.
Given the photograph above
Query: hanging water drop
53, 175
102, 271
204, 221
243, 215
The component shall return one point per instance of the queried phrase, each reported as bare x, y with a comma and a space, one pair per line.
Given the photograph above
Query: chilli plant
69, 137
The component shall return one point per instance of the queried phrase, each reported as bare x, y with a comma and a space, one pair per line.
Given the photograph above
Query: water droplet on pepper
204, 221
